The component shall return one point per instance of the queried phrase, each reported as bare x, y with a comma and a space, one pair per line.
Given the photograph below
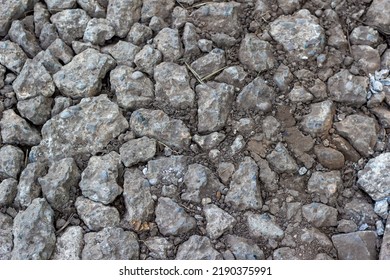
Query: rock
61, 51
283, 77
364, 35
139, 34
209, 141
110, 244
70, 24
78, 47
300, 94
383, 114
384, 253
137, 150
244, 249
166, 170
11, 161
343, 146
156, 124
190, 40
320, 215
159, 8
63, 175
360, 211
320, 119
82, 77
24, 38
5, 237
10, 11
244, 192
219, 18
360, 131
83, 128
95, 215
36, 109
98, 31
56, 6
337, 38
15, 130
367, 58
137, 197
374, 178
348, 89
285, 253
197, 248
168, 43
329, 158
147, 59
210, 63
123, 52
159, 247
34, 80
34, 233
377, 16
133, 89
8, 191
200, 183
60, 104
325, 183
382, 208
99, 179
47, 60
233, 75
69, 244
268, 177
237, 145
300, 34
256, 54
123, 14
281, 161
297, 141
94, 8
359, 245
218, 221
172, 219
256, 96
346, 226
172, 85
263, 225
223, 41
48, 35
225, 171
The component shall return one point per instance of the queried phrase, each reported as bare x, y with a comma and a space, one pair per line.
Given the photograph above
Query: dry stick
201, 4
66, 224
194, 73
212, 74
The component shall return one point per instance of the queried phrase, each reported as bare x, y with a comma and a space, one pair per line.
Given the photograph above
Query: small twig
66, 224
26, 158
194, 73
201, 4
181, 5
213, 73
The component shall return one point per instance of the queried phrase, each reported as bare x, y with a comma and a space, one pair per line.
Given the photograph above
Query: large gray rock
364, 35
56, 6
85, 128
169, 44
374, 178
24, 38
159, 247
137, 150
233, 75
367, 58
147, 58
110, 244
12, 56
123, 52
166, 170
377, 14
325, 183
11, 161
190, 40
11, 10
139, 34
6, 237
69, 244
263, 225
82, 77
209, 63
244, 192
16, 130
36, 109
172, 219
197, 248
218, 221
8, 191
156, 124
281, 161
34, 233
94, 8
320, 119
122, 14
158, 8
244, 249
359, 245
98, 31
320, 215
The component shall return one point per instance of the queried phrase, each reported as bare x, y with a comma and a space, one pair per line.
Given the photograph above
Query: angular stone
233, 75
11, 161
36, 109
384, 253
139, 34
24, 38
320, 119
209, 141
320, 215
47, 60
156, 124
63, 175
78, 47
95, 215
346, 226
383, 114
297, 141
12, 57
218, 221
8, 191
256, 54
313, 236
34, 233
166, 170
325, 183
56, 6
367, 58
190, 40
6, 237
147, 58
197, 248
359, 245
82, 77
123, 52
98, 31
110, 244
137, 150
159, 247
382, 208
283, 77
364, 35
329, 158
69, 244
158, 8
300, 94
360, 211
48, 35
281, 161
61, 51
60, 104
244, 249
208, 64
172, 219
263, 226
11, 10
256, 96
244, 192
337, 38
377, 14
168, 43
360, 131
94, 8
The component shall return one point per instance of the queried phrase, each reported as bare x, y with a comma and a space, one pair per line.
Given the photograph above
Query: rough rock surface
197, 248
257, 96
359, 245
122, 14
320, 119
218, 221
262, 225
12, 56
166, 170
244, 249
8, 191
320, 215
137, 150
281, 161
11, 161
69, 244
6, 238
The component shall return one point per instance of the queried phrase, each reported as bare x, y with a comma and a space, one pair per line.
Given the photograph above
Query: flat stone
8, 191
159, 247
36, 109
360, 131
34, 233
256, 96
343, 146
147, 59
209, 63
244, 249
197, 248
218, 221
209, 141
94, 8
325, 183
123, 52
172, 219
359, 245
69, 244
377, 16
169, 44
300, 94
364, 35
320, 119
166, 170
384, 253
24, 38
297, 141
360, 211
6, 238
11, 161
263, 225
98, 31
123, 14
139, 34
367, 58
329, 158
158, 8
320, 215
281, 161
233, 75
137, 150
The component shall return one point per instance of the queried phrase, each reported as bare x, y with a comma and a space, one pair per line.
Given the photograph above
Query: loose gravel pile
163, 129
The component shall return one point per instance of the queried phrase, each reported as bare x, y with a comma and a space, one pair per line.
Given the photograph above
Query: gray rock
94, 8
256, 54
84, 128
329, 157
233, 75
78, 47
283, 77
346, 226
256, 96
360, 131
156, 124
271, 127
11, 10
56, 6
24, 38
159, 247
12, 56
123, 52
359, 245
36, 109
138, 199
98, 31
172, 85
300, 34
300, 94
166, 170
69, 244
179, 17
139, 34
281, 161
16, 130
218, 221
147, 59
374, 178
11, 161
190, 40
237, 145
320, 215
110, 244
364, 35
172, 219
99, 179
336, 37
48, 61
285, 253
383, 115
133, 89
168, 43
61, 51
95, 215
205, 45
5, 237
360, 211
244, 249
209, 141
8, 191
197, 248
348, 89
377, 15
367, 58
157, 24
32, 81
70, 24
208, 64
223, 41
263, 225
214, 105
48, 35
384, 253
325, 183
288, 6
158, 8
2, 72
382, 208
34, 233
82, 77
60, 104
63, 175
268, 177
320, 119
244, 192
137, 150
